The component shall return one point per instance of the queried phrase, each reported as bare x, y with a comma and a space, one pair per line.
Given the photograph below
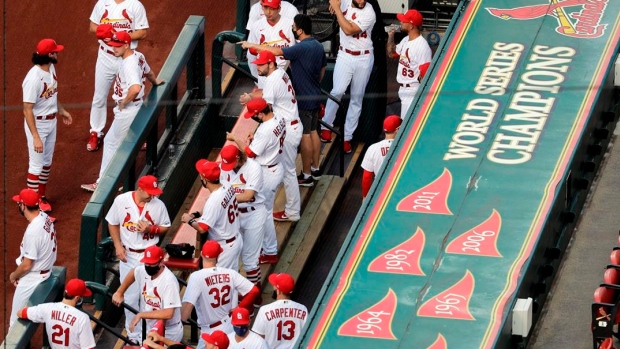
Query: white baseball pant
225, 327
105, 72
132, 294
117, 132
355, 70
272, 177
406, 95
289, 155
25, 288
47, 133
229, 258
252, 226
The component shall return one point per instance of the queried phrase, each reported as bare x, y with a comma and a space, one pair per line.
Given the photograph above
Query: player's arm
21, 270
119, 296
93, 27
275, 50
248, 299
138, 34
154, 79
240, 144
115, 234
246, 196
390, 47
159, 314
32, 127
367, 179
67, 119
246, 97
153, 339
186, 310
132, 93
347, 27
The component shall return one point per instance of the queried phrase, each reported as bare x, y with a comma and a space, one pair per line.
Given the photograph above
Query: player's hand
121, 254
135, 321
121, 105
334, 5
186, 217
154, 336
230, 137
13, 280
250, 138
117, 299
159, 81
66, 117
244, 44
245, 98
143, 227
37, 144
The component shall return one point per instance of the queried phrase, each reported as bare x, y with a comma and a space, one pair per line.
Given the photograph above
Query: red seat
607, 344
615, 257
611, 276
180, 263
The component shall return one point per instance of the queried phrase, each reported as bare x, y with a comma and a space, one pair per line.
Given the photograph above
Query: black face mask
255, 118
295, 35
20, 209
79, 303
151, 270
274, 295
204, 185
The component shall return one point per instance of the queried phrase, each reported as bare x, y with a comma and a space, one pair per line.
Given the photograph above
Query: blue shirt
307, 60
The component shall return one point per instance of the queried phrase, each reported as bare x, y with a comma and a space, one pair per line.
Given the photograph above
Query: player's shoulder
286, 21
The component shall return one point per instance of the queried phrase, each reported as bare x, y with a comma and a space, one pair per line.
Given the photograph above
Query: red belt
270, 166
231, 239
43, 272
355, 53
46, 117
215, 324
294, 122
136, 251
110, 52
246, 209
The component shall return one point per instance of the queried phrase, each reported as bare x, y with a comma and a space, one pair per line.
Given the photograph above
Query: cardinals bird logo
262, 39
126, 15
353, 16
283, 36
584, 23
104, 17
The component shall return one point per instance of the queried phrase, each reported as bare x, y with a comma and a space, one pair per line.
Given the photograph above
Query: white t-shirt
412, 54
268, 141
278, 35
126, 213
129, 16
287, 10
249, 177
39, 243
161, 293
41, 89
214, 293
66, 326
375, 155
278, 91
220, 213
281, 322
365, 19
252, 341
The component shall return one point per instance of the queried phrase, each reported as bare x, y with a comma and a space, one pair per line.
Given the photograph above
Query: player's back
281, 322
66, 326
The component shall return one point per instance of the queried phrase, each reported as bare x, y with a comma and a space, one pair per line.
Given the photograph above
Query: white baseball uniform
214, 292
39, 245
128, 15
278, 35
287, 10
353, 65
66, 326
278, 91
266, 148
159, 293
252, 341
221, 215
132, 71
281, 322
252, 215
375, 155
125, 213
41, 88
412, 54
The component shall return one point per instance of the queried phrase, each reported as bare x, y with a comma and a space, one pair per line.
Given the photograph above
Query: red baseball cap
208, 169
412, 16
148, 183
271, 3
240, 317
104, 31
391, 123
255, 106
218, 338
229, 154
47, 46
77, 287
152, 255
120, 38
264, 57
27, 197
283, 282
211, 249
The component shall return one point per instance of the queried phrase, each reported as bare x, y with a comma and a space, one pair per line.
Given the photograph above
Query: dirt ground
67, 22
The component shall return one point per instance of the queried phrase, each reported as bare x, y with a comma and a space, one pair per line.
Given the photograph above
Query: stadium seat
604, 315
612, 275
615, 257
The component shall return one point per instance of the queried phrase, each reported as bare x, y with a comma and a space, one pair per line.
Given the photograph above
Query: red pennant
440, 343
402, 259
480, 240
374, 322
433, 198
452, 303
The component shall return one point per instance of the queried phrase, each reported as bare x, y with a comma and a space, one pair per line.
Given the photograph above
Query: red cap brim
16, 198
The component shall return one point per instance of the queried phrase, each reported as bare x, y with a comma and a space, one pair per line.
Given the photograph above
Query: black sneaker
316, 174
304, 182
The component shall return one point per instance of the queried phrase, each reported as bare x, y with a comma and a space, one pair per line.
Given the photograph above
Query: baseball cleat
44, 205
89, 187
93, 142
303, 181
268, 259
316, 174
143, 146
347, 147
282, 217
326, 136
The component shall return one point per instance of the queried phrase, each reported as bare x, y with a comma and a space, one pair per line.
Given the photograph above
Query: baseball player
414, 57
136, 220
159, 296
243, 338
41, 107
66, 326
265, 146
277, 90
128, 93
107, 17
272, 30
246, 177
282, 321
220, 215
353, 64
216, 340
38, 250
214, 291
287, 10
376, 153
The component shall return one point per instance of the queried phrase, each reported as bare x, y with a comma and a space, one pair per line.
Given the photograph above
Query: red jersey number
408, 73
58, 332
286, 330
361, 35
220, 296
233, 211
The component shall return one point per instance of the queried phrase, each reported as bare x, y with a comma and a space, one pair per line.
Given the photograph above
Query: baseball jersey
281, 322
128, 15
365, 19
214, 293
39, 243
412, 54
41, 88
126, 213
375, 155
220, 214
66, 326
278, 91
160, 293
252, 341
278, 35
287, 10
249, 176
268, 141
131, 71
